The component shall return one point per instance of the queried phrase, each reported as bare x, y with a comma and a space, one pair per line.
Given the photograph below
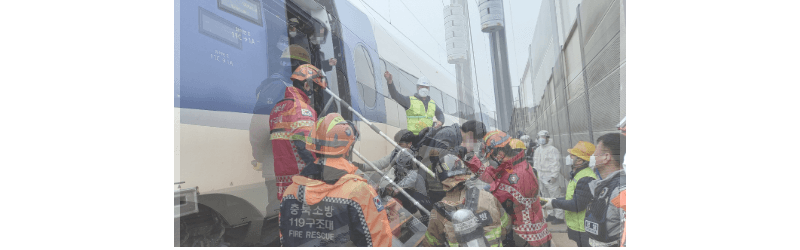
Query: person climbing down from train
298, 36
604, 220
409, 177
467, 216
472, 133
546, 161
291, 122
512, 182
432, 142
578, 195
420, 108
327, 205
403, 138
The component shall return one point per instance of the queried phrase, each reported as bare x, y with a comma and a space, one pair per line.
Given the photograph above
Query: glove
462, 152
434, 160
257, 166
548, 205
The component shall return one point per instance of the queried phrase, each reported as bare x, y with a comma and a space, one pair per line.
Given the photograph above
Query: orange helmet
308, 72
333, 136
493, 140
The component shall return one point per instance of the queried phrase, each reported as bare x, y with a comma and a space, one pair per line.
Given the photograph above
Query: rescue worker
603, 221
551, 181
291, 122
467, 216
512, 182
327, 204
420, 108
435, 142
578, 195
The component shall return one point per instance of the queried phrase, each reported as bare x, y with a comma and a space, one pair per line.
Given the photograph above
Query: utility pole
492, 22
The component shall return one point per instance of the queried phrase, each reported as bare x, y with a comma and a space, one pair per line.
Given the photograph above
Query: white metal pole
416, 203
377, 130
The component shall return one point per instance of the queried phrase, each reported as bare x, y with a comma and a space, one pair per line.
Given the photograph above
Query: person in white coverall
546, 160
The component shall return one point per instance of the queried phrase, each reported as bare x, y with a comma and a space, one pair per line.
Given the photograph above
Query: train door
365, 82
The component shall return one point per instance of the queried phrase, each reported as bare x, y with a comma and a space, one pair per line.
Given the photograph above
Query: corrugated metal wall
585, 96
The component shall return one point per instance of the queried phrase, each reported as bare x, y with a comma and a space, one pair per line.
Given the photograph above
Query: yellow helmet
582, 150
517, 144
296, 52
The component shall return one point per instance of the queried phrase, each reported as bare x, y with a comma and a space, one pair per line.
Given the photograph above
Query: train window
436, 96
219, 28
451, 107
249, 10
365, 76
406, 83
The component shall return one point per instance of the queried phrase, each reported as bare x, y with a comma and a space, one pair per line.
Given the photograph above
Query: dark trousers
436, 196
582, 238
409, 205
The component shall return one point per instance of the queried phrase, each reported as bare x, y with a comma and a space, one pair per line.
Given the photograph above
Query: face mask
542, 141
568, 161
292, 33
592, 162
423, 93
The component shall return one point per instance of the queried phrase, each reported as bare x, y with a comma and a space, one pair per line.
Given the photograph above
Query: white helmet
525, 138
544, 133
423, 81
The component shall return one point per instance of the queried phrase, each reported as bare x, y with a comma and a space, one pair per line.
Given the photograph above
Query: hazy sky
422, 21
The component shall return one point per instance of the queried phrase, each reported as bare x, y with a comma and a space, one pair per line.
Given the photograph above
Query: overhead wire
398, 46
409, 39
405, 53
423, 26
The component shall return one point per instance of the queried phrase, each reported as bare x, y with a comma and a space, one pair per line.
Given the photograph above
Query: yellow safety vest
575, 219
417, 117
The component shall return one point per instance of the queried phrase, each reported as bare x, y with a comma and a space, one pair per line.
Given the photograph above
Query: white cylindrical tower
491, 15
455, 29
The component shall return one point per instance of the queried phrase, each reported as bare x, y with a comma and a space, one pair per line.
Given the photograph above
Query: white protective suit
552, 183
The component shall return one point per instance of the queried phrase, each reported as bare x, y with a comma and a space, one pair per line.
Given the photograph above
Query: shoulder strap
471, 202
440, 208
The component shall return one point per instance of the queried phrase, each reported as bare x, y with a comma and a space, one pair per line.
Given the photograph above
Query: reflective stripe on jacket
603, 221
513, 183
417, 117
291, 119
575, 219
440, 229
324, 213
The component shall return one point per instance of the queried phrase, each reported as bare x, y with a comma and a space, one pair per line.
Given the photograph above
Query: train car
232, 63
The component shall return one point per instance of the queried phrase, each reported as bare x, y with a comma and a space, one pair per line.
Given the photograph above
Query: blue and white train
227, 49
